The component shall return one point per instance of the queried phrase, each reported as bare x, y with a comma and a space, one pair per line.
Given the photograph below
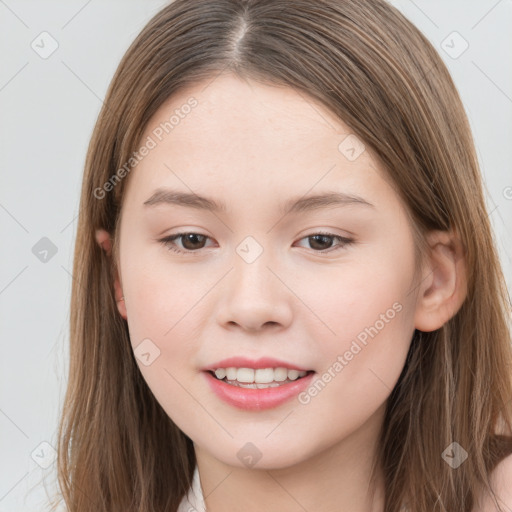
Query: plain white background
48, 107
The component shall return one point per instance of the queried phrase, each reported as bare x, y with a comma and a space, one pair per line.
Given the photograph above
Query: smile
259, 378
239, 387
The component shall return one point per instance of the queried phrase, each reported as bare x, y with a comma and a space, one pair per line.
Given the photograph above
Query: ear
443, 287
105, 242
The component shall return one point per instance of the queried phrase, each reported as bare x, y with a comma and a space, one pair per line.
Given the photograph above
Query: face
325, 288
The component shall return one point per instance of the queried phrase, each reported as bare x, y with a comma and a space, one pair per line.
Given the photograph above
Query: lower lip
257, 399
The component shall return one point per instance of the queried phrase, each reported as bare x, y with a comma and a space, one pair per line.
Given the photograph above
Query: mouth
258, 378
257, 389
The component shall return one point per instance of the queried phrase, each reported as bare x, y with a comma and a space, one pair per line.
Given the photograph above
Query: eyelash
168, 242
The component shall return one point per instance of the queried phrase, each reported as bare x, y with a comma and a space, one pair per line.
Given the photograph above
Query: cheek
355, 296
367, 314
359, 366
163, 314
164, 305
152, 283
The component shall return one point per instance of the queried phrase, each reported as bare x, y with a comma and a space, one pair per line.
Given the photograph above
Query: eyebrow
294, 205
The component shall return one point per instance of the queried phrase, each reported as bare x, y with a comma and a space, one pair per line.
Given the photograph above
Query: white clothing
193, 501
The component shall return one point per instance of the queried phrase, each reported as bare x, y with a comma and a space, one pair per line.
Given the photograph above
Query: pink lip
256, 399
243, 362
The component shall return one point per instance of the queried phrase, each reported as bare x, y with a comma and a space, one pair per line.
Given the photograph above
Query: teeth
230, 373
220, 373
263, 375
293, 374
261, 378
254, 385
280, 374
245, 375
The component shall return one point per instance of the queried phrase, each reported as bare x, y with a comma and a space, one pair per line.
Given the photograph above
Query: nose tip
252, 299
255, 326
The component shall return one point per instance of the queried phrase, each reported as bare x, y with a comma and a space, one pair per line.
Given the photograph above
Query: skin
253, 146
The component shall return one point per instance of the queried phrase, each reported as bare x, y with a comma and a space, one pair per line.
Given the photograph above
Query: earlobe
105, 242
120, 302
443, 287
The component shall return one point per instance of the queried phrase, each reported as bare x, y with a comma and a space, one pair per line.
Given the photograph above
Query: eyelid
168, 242
344, 241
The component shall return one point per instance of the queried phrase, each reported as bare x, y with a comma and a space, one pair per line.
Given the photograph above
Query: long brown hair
372, 68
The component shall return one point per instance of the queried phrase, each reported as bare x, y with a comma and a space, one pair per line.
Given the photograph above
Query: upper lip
244, 362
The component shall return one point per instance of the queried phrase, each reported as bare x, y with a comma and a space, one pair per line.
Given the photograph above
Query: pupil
324, 237
189, 237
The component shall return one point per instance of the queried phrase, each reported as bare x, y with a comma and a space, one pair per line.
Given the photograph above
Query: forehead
228, 99
228, 133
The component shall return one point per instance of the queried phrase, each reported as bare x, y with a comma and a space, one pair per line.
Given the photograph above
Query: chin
260, 455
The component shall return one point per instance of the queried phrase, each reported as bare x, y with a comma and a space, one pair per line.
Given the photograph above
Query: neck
336, 479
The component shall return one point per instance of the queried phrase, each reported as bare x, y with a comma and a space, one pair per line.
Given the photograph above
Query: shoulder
501, 483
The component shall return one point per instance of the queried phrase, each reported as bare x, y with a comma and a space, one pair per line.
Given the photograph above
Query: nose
255, 296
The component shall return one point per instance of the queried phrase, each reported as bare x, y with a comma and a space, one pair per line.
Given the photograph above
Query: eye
320, 240
192, 242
